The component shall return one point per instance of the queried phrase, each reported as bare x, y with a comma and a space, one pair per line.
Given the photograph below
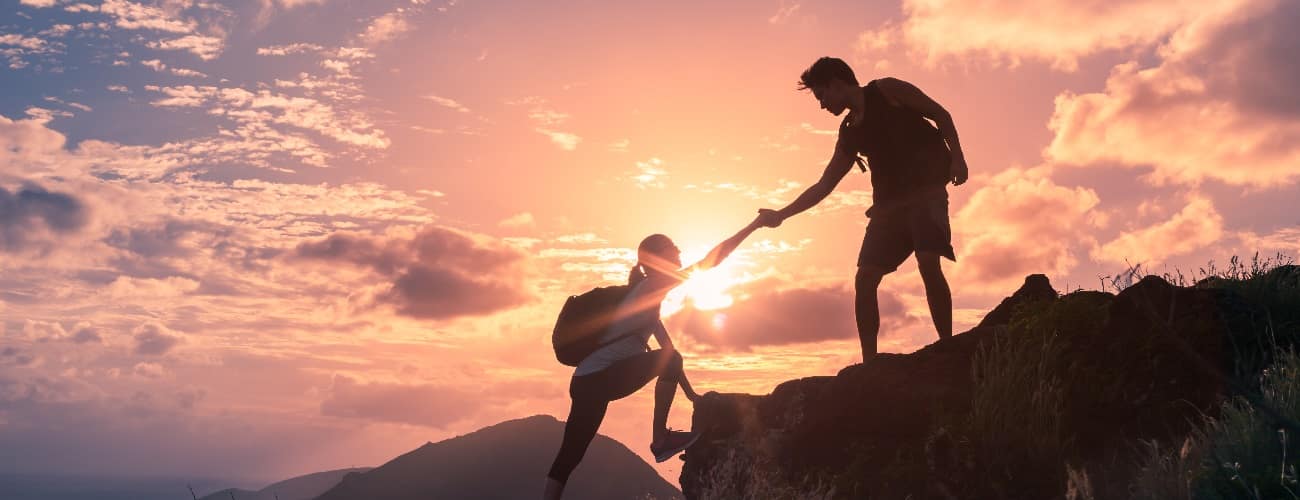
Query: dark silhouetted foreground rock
1094, 374
505, 461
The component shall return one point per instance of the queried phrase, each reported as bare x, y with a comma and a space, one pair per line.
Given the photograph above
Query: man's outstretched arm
907, 95
836, 169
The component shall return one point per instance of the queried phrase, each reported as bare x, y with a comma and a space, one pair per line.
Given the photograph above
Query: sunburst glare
711, 289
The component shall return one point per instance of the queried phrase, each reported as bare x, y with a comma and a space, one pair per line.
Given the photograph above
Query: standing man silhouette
911, 162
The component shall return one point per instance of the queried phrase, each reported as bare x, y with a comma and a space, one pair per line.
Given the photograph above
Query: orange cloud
1196, 226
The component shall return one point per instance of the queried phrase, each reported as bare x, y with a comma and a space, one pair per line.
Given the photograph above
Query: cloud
48, 331
564, 140
783, 13
447, 103
127, 287
337, 66
165, 18
417, 404
84, 333
14, 356
1284, 240
524, 219
1191, 117
774, 313
385, 28
32, 218
27, 141
289, 49
651, 174
158, 65
258, 109
1196, 226
44, 331
38, 3
148, 370
134, 16
438, 273
1058, 32
289, 4
206, 47
1021, 223
547, 119
57, 30
25, 42
189, 397
17, 47
154, 339
875, 47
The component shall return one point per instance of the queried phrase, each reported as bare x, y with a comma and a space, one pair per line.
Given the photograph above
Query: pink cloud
385, 28
306, 113
1191, 117
206, 47
148, 370
1020, 223
26, 141
1057, 32
438, 273
134, 16
153, 339
32, 218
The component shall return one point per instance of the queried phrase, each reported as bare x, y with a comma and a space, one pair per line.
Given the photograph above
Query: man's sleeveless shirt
904, 151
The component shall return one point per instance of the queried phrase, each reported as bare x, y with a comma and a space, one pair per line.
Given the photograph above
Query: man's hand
769, 218
957, 172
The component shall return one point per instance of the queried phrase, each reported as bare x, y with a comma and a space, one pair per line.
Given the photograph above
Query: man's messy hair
825, 70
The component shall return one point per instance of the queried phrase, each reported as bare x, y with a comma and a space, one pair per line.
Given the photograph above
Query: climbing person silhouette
623, 366
911, 163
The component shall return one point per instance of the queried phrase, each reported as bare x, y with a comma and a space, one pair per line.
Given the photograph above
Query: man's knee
672, 361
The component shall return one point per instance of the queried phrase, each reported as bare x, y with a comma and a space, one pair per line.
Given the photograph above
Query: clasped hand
769, 218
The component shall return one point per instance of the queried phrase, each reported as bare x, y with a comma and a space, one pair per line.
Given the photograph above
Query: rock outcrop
1045, 387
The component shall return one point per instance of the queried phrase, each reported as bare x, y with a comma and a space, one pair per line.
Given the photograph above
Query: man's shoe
674, 442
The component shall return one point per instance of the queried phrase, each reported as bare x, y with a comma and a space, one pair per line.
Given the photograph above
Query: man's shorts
915, 225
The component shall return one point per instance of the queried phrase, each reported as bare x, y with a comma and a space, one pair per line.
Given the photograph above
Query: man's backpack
583, 321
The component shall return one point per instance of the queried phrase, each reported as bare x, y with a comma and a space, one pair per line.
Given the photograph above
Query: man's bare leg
937, 293
867, 308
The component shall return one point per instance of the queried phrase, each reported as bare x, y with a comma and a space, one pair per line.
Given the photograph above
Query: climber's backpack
583, 321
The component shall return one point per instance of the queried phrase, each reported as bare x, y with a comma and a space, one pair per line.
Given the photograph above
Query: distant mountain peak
506, 460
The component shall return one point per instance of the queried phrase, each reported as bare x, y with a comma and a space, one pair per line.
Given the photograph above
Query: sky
261, 238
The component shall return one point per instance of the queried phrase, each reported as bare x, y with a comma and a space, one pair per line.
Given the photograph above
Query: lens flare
706, 290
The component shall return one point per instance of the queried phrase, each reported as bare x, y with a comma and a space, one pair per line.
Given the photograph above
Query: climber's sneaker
674, 442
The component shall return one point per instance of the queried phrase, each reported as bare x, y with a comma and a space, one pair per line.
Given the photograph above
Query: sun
706, 290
